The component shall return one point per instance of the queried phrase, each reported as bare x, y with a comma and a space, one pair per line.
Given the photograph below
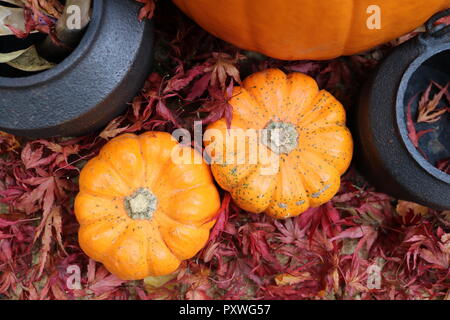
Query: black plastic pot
89, 87
386, 154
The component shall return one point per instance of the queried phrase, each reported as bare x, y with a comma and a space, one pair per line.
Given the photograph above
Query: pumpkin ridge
173, 220
152, 135
144, 160
157, 237
256, 119
316, 196
217, 166
168, 161
97, 220
111, 165
112, 262
103, 253
321, 155
80, 204
98, 168
257, 101
234, 193
302, 182
273, 200
345, 149
312, 113
327, 125
178, 191
166, 216
207, 215
238, 182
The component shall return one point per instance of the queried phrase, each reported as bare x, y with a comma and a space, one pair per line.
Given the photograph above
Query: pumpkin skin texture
311, 154
140, 213
308, 29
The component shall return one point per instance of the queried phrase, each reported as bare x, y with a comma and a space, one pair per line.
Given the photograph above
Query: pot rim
85, 44
401, 116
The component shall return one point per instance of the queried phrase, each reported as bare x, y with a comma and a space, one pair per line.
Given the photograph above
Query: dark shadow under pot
388, 150
90, 86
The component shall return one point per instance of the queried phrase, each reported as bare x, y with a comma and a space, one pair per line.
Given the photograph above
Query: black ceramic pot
386, 154
89, 87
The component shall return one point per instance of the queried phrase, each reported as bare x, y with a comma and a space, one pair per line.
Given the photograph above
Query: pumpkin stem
280, 137
141, 204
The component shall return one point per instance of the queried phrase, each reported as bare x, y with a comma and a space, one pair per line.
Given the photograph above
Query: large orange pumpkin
282, 174
309, 29
140, 213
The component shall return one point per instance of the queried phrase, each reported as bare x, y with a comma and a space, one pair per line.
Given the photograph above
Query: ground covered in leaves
330, 252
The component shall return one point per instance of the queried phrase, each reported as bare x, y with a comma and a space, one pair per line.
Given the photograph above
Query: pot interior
11, 43
435, 145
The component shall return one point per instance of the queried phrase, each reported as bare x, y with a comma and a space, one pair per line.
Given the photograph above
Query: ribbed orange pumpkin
308, 29
140, 213
304, 160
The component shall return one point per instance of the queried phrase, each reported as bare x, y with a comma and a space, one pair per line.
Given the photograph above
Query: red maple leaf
147, 10
413, 135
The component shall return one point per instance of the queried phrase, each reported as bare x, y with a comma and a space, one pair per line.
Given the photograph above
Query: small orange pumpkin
140, 213
300, 130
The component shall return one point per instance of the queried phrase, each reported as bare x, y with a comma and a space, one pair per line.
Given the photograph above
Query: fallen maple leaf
444, 165
367, 234
182, 79
8, 142
147, 10
218, 106
427, 111
406, 207
413, 135
222, 66
106, 285
113, 129
447, 93
289, 279
410, 212
199, 87
221, 218
50, 222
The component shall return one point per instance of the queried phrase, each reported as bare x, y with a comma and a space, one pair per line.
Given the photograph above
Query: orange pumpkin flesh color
317, 151
309, 29
141, 214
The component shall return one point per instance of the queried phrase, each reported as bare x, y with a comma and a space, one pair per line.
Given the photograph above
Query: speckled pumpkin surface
140, 213
311, 150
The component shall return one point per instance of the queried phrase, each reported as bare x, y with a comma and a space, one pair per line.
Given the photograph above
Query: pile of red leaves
336, 251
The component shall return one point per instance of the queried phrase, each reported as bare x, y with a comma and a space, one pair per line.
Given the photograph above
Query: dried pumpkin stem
280, 137
141, 204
